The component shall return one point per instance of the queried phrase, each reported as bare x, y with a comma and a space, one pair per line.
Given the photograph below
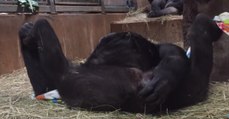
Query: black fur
165, 7
125, 71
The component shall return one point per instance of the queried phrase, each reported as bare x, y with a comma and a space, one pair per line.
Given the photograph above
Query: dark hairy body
165, 7
125, 71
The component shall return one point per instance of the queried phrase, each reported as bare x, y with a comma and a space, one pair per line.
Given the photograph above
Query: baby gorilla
165, 7
125, 71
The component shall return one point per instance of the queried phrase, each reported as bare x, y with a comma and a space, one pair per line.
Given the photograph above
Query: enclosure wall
78, 34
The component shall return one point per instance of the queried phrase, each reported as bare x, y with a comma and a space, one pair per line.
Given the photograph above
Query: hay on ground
142, 17
16, 103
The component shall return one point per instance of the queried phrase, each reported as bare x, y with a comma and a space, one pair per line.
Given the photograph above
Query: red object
220, 25
40, 97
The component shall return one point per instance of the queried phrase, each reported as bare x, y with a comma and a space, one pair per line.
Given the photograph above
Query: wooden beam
79, 3
8, 2
60, 8
78, 8
13, 8
15, 2
44, 9
8, 8
120, 8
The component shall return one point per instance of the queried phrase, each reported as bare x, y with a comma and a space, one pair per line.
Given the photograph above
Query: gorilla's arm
175, 80
173, 67
202, 34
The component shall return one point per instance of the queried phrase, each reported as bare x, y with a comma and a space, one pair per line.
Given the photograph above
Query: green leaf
22, 1
30, 4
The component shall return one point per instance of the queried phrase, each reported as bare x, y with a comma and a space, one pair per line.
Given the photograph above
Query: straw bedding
16, 103
16, 99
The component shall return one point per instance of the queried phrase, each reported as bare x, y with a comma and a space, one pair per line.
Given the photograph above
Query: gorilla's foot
207, 27
24, 32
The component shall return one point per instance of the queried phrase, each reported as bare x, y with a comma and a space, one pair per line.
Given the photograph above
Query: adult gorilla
125, 71
165, 7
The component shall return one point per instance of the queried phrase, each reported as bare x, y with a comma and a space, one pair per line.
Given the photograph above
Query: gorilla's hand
156, 90
173, 67
25, 30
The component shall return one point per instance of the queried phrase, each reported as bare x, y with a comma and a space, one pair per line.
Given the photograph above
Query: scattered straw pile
16, 103
142, 17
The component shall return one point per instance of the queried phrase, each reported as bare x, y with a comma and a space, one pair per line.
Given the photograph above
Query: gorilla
125, 71
165, 7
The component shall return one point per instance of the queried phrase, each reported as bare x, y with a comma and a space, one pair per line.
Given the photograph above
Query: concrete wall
78, 34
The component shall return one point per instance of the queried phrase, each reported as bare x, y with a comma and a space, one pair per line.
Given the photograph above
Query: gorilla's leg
202, 34
51, 56
30, 55
194, 88
42, 55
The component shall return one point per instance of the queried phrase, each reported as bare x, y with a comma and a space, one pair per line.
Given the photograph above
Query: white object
188, 53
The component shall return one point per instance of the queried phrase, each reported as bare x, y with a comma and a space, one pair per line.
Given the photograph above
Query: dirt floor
16, 103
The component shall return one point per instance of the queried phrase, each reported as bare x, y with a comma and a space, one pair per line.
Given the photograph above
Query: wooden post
52, 6
102, 6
